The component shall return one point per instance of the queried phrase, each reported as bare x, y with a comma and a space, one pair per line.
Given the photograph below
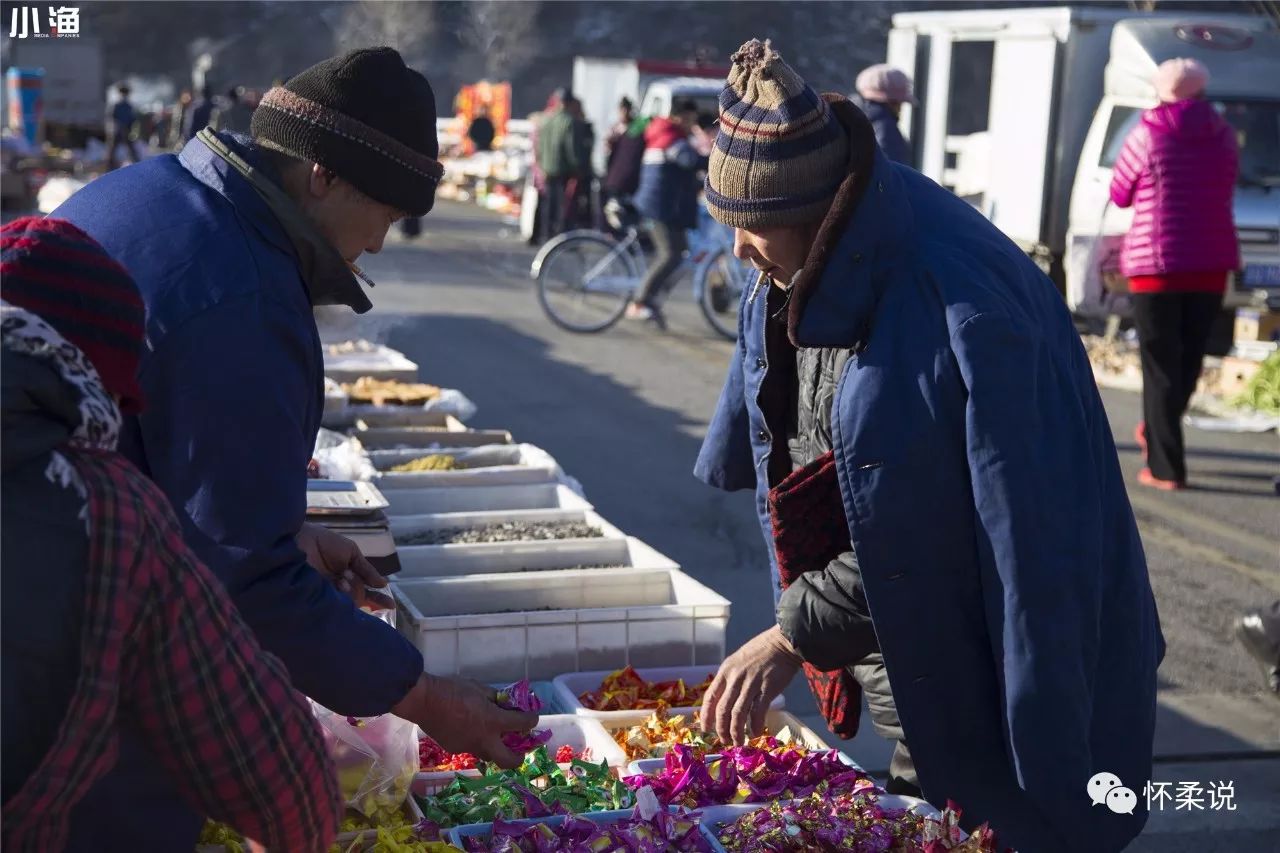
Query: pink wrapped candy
520, 697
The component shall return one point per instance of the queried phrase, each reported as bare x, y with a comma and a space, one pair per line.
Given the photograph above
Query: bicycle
587, 278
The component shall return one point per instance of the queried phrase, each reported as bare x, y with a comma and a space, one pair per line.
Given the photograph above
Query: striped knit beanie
780, 154
366, 117
56, 271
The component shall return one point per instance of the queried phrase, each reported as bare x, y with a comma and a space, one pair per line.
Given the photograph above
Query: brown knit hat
780, 154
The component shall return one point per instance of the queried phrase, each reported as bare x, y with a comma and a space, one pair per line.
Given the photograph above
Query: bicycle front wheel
722, 279
585, 282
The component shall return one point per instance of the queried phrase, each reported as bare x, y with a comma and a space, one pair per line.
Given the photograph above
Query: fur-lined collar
834, 295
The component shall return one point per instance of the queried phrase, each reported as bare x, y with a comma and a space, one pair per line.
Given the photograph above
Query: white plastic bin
475, 500
775, 721
435, 561
427, 438
571, 685
566, 730
350, 360
537, 625
713, 817
498, 464
607, 549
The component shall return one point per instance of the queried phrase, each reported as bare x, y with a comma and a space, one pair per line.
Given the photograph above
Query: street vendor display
663, 833
627, 690
388, 392
660, 732
763, 771
849, 821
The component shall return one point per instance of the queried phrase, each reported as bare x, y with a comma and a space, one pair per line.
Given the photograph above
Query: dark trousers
119, 138
670, 243
555, 208
1173, 331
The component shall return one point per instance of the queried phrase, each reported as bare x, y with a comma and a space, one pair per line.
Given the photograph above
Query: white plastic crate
713, 817
776, 721
501, 464
570, 685
348, 361
538, 624
376, 439
482, 499
435, 561
566, 730
610, 548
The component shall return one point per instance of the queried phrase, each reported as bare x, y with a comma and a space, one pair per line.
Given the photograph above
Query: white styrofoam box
537, 625
491, 558
403, 524
576, 732
434, 554
714, 817
428, 438
499, 464
571, 685
480, 499
776, 721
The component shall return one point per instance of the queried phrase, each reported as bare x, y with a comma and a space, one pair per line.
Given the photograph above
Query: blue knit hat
780, 154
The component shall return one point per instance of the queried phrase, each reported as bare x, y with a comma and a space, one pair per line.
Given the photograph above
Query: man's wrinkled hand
462, 716
748, 681
339, 559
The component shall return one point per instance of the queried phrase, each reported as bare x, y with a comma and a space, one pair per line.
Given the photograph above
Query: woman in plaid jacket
109, 622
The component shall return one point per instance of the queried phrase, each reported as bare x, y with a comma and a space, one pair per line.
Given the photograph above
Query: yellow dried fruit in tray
431, 462
388, 392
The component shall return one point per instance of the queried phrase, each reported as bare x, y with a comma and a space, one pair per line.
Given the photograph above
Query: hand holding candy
520, 697
462, 716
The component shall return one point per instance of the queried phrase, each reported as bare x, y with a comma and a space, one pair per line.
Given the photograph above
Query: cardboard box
1257, 324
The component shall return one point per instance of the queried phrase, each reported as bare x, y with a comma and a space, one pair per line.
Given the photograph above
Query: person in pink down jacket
1178, 171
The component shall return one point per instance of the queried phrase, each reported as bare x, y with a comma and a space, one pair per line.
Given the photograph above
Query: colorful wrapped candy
520, 697
655, 736
626, 690
764, 771
538, 788
433, 758
850, 821
664, 833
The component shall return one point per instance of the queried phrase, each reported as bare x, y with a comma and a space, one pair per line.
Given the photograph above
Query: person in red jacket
1178, 171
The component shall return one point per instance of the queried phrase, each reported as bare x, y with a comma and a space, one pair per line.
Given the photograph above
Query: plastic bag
375, 757
452, 402
343, 460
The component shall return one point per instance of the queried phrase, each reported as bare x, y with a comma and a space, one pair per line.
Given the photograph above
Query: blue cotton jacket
1000, 558
888, 136
233, 378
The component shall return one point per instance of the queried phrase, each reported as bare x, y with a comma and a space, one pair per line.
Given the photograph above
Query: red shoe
1140, 436
1146, 478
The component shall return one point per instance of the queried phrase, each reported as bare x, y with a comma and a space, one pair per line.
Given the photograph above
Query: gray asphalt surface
625, 411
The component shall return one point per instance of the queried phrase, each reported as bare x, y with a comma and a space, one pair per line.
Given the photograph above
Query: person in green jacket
564, 156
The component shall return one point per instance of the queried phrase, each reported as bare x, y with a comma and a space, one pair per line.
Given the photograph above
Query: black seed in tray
509, 531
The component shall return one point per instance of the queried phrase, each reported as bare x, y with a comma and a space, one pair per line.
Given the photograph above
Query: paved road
625, 411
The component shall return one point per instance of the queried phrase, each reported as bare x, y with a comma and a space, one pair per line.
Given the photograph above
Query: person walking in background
882, 90
624, 151
537, 175
123, 117
177, 120
1177, 170
560, 159
235, 117
481, 132
132, 634
200, 115
668, 199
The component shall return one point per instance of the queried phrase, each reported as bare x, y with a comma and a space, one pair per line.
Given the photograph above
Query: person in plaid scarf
110, 624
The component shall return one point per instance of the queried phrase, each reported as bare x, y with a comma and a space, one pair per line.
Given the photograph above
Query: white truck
73, 88
1023, 113
601, 83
